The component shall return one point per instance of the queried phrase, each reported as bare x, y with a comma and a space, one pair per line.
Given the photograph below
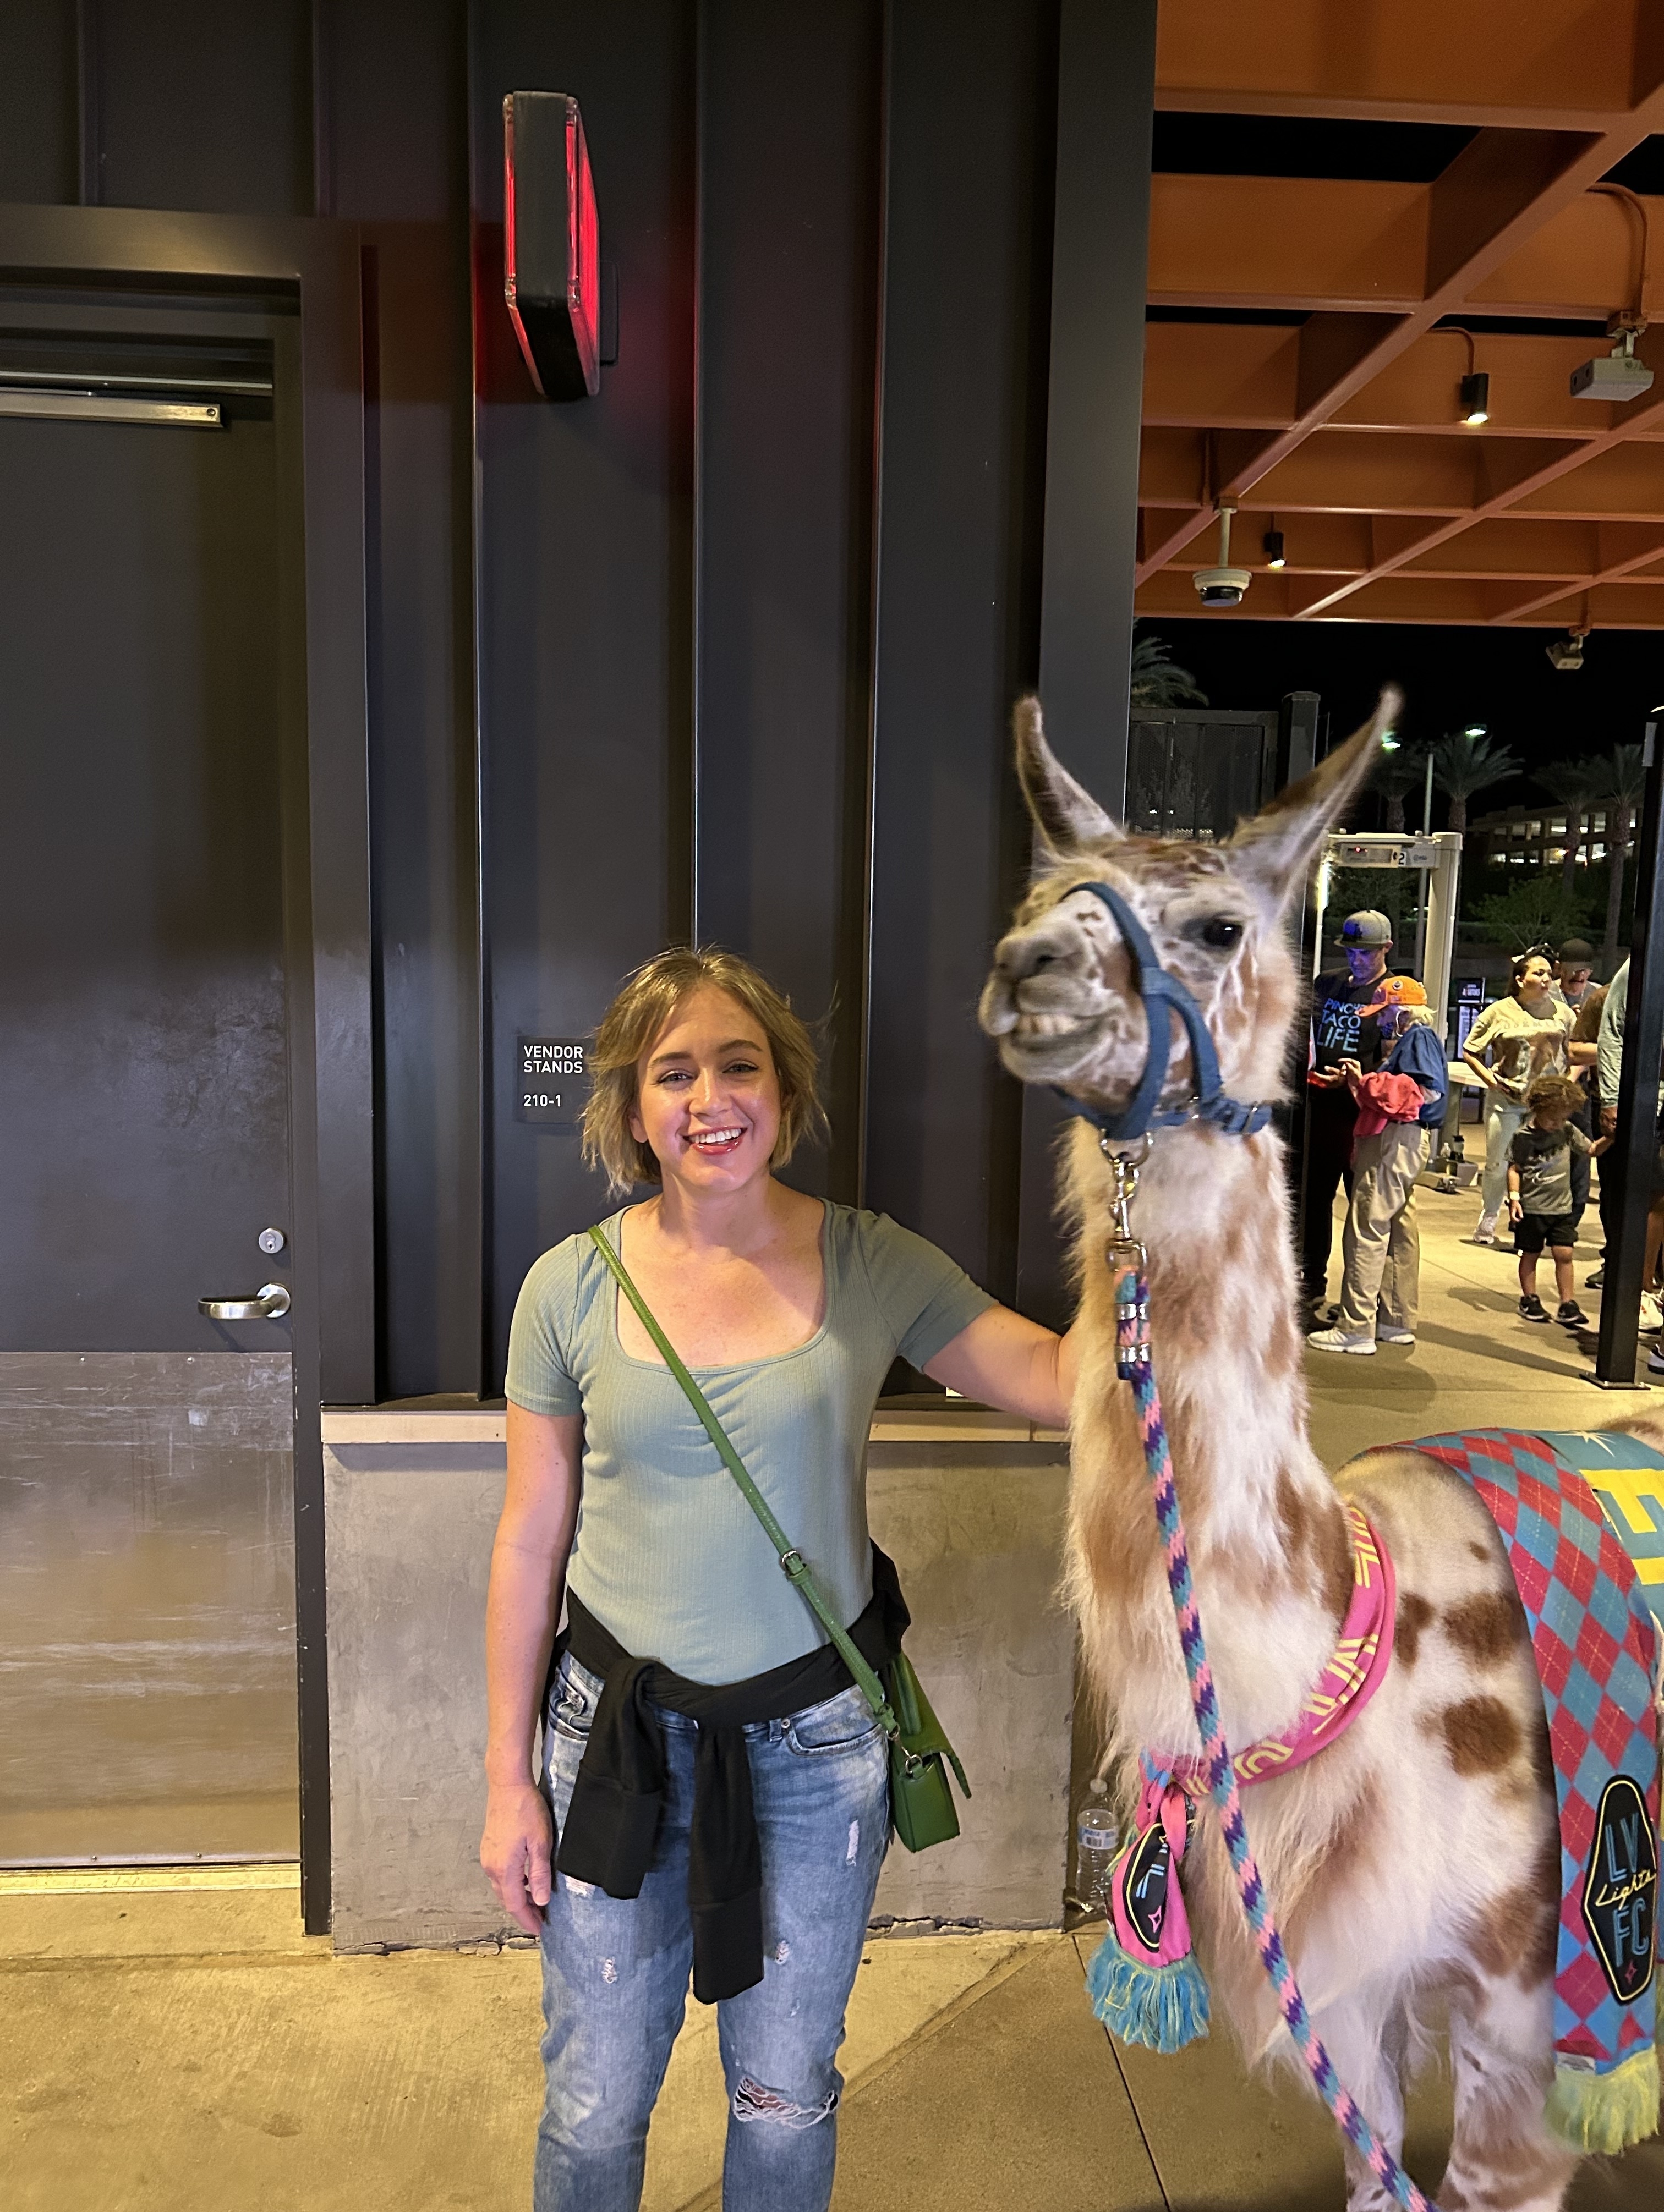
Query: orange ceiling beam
1470, 602
1288, 243
1502, 188
1347, 422
1282, 244
1616, 475
1552, 64
1371, 472
1537, 563
1246, 376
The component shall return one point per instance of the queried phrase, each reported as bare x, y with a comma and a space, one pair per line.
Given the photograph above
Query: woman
1527, 1034
789, 1311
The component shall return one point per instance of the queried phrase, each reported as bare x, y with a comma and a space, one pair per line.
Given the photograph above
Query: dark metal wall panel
585, 579
222, 113
189, 117
739, 153
969, 150
789, 245
1100, 254
397, 72
38, 100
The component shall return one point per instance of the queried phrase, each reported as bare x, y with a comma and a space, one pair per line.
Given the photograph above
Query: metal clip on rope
1125, 1253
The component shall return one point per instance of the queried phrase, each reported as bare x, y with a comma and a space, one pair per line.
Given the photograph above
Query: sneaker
1596, 1280
1336, 1339
1386, 1334
1655, 1360
1485, 1230
1651, 1314
1532, 1308
1572, 1316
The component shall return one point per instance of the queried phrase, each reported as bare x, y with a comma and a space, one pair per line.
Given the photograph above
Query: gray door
147, 1584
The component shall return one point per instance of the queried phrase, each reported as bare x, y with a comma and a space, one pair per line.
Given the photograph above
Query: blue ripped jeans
615, 1971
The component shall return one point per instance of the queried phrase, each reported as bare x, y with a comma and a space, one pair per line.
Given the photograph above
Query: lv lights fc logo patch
1620, 1892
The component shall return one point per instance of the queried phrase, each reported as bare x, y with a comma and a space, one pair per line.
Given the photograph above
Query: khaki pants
1381, 1246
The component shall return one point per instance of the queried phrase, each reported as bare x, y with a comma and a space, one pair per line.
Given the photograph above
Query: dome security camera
1222, 587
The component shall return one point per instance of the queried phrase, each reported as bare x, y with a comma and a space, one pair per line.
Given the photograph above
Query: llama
1415, 1864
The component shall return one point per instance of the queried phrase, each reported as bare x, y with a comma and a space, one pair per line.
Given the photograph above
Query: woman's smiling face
707, 1096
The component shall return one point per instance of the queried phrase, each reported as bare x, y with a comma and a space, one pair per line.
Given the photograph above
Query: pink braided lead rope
1133, 1365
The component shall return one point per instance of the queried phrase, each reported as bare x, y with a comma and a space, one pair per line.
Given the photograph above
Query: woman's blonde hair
1411, 1016
639, 1012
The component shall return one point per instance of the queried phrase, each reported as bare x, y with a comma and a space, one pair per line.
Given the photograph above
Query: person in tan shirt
1526, 1035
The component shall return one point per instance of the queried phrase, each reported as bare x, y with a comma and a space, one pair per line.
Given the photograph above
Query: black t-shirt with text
1337, 1031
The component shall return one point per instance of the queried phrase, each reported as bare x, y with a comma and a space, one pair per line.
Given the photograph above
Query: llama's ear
1065, 814
1277, 849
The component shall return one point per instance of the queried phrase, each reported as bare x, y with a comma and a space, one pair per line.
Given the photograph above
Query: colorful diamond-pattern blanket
1582, 1517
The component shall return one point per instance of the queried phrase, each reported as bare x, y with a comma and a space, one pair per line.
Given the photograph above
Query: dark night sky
1450, 678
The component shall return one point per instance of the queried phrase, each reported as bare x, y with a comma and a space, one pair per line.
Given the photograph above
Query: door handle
270, 1300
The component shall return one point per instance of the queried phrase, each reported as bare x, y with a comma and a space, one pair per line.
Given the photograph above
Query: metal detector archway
1437, 858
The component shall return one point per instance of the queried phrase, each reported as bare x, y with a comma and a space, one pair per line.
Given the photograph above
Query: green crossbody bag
922, 1808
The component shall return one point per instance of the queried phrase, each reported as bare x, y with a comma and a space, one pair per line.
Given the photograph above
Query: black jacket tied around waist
613, 1823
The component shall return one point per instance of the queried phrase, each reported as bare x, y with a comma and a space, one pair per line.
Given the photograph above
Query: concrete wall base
970, 1507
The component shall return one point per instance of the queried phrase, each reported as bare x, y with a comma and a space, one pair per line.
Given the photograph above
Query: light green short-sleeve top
668, 1554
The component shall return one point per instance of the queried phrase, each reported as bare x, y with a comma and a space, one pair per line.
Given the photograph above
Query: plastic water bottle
1096, 1841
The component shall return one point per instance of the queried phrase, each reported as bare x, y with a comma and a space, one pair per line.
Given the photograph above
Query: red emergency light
551, 243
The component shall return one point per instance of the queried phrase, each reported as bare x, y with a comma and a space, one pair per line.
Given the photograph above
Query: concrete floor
171, 2042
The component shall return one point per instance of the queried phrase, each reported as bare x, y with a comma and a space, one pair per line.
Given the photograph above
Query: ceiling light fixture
1222, 587
1473, 391
1476, 397
1275, 557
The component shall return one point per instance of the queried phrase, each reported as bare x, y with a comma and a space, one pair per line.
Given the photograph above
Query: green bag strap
795, 1566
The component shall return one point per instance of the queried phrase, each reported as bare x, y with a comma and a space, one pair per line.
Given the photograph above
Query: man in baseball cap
1367, 930
1400, 1107
1574, 973
1343, 1028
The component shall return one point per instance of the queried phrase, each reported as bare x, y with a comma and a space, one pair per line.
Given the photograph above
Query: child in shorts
1539, 1201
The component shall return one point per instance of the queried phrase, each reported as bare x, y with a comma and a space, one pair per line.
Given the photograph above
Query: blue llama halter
1161, 994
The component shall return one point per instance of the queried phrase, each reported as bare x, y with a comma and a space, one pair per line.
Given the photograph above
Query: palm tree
1156, 680
1623, 781
1397, 774
1573, 784
1463, 766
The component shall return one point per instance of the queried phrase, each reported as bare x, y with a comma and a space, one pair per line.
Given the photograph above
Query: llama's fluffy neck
1267, 1540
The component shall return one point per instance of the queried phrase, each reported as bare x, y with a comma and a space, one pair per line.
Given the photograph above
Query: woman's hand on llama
1003, 1359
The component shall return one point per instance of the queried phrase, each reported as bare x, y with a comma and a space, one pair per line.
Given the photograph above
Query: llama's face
1062, 1001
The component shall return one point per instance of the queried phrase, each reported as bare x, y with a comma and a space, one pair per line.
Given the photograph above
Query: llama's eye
1220, 933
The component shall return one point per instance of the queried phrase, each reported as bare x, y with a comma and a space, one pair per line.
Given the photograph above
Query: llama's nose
1027, 952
